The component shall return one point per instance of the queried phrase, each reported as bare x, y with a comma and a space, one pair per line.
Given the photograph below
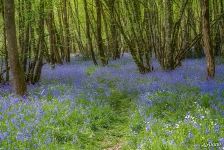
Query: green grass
91, 70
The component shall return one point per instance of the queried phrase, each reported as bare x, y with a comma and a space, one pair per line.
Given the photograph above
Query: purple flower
164, 142
3, 136
149, 118
15, 100
56, 93
172, 142
5, 106
147, 127
216, 127
48, 140
190, 135
1, 117
187, 118
207, 131
221, 141
20, 136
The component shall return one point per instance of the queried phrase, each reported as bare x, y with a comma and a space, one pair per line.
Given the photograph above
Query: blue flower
3, 136
148, 128
221, 141
20, 136
216, 127
1, 117
190, 135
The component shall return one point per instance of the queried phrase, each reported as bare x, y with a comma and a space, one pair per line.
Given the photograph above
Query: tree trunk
67, 32
54, 50
169, 50
26, 43
221, 28
207, 39
99, 32
18, 78
5, 45
88, 34
114, 45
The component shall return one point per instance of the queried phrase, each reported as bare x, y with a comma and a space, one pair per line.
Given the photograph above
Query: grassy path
97, 125
117, 134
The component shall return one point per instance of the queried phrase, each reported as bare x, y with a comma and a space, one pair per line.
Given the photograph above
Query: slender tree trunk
88, 34
54, 50
5, 45
36, 65
67, 32
114, 46
169, 50
61, 32
18, 78
78, 26
221, 28
148, 50
21, 12
106, 44
207, 39
26, 42
99, 32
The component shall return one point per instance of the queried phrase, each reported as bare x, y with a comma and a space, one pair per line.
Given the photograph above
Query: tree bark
88, 34
18, 78
169, 50
67, 32
207, 39
99, 32
5, 44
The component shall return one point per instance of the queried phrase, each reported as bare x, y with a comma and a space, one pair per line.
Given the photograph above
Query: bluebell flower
56, 93
3, 136
187, 118
149, 118
207, 131
216, 127
1, 117
5, 106
20, 136
164, 141
221, 141
48, 140
148, 127
190, 135
172, 142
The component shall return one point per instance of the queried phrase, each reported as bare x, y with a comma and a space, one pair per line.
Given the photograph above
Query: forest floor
82, 106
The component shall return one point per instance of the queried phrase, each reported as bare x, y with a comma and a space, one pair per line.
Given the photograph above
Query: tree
133, 26
52, 30
35, 66
169, 50
67, 32
88, 33
209, 54
18, 78
99, 32
114, 45
6, 71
